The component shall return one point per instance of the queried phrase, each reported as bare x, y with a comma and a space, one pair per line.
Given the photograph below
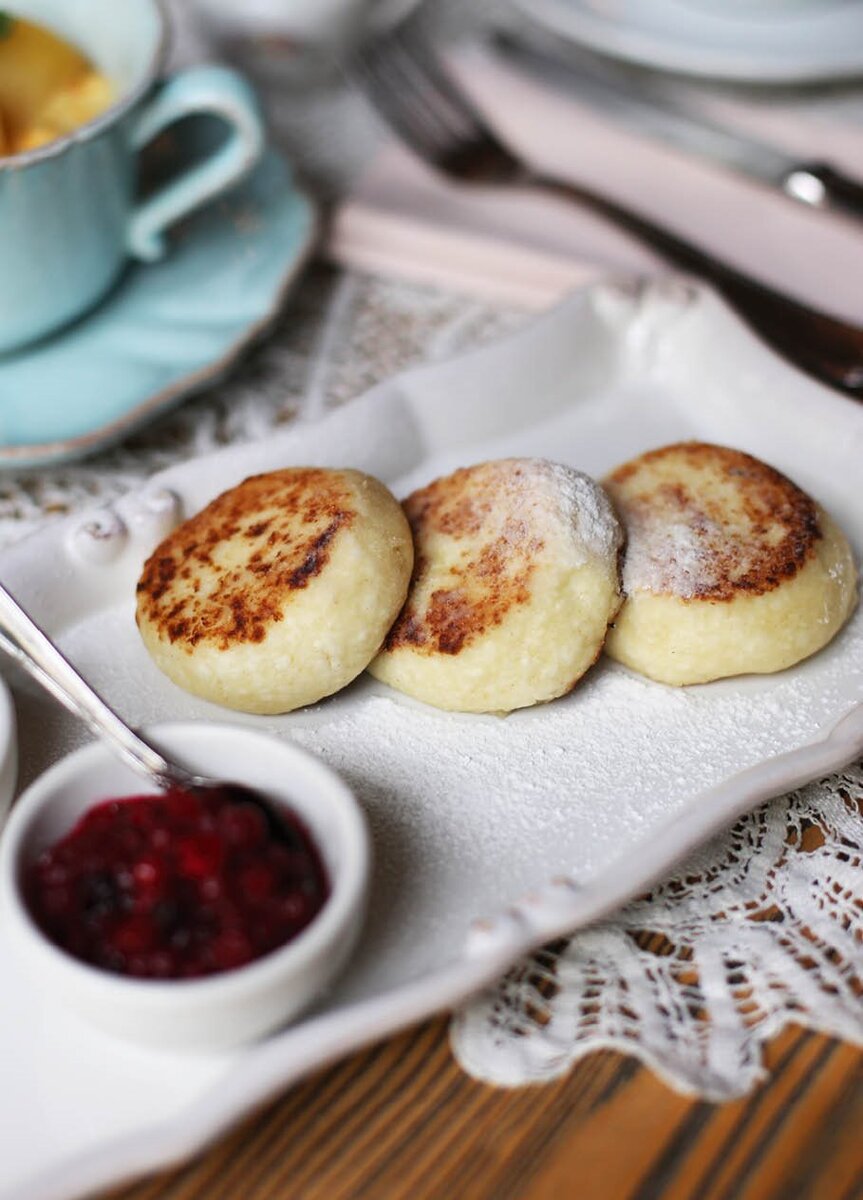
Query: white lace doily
764, 927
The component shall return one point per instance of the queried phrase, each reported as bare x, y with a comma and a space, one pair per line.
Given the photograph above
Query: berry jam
178, 885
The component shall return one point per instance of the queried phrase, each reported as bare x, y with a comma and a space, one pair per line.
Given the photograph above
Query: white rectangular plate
472, 817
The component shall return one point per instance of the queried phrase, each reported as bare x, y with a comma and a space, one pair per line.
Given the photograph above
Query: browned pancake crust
779, 520
487, 582
279, 557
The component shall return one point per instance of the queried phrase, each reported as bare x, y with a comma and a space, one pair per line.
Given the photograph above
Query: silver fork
422, 103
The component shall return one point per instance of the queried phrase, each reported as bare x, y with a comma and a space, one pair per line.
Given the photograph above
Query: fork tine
416, 96
397, 102
438, 85
424, 76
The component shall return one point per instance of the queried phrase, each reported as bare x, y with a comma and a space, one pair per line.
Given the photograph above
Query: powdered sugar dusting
669, 557
707, 521
550, 497
583, 503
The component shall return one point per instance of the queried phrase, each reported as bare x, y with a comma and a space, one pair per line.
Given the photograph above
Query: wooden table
401, 1120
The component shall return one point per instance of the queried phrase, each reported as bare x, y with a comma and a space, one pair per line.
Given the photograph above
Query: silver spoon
24, 641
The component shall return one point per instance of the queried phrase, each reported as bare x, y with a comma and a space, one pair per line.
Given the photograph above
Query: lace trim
762, 928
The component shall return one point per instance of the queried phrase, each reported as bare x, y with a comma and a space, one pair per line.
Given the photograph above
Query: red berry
177, 886
257, 881
200, 855
231, 949
243, 825
55, 901
161, 964
149, 872
134, 935
296, 908
210, 889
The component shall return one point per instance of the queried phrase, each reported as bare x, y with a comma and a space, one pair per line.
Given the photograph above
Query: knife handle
822, 186
826, 347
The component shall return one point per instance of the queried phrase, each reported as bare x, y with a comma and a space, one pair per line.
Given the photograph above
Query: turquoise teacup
69, 218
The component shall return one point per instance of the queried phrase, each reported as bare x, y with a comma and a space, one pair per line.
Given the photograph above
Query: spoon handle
22, 638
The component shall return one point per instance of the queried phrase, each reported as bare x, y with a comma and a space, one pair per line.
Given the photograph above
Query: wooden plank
401, 1121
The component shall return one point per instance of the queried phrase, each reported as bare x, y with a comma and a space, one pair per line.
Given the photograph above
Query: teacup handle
204, 89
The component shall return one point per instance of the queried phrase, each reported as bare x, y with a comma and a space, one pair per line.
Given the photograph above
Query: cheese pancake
515, 582
729, 566
280, 591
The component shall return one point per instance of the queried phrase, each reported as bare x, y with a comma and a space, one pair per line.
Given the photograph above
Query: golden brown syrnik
729, 566
514, 585
280, 591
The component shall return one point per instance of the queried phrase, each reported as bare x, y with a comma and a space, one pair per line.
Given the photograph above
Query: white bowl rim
347, 886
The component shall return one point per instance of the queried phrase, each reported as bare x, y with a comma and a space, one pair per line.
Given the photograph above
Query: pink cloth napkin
522, 248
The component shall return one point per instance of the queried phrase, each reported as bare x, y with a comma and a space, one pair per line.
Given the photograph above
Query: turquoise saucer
166, 331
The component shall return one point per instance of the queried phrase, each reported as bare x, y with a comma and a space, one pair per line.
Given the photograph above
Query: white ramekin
220, 1011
